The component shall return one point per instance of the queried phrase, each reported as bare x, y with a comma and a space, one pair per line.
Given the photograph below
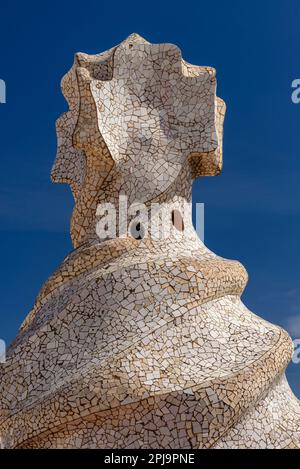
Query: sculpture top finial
139, 115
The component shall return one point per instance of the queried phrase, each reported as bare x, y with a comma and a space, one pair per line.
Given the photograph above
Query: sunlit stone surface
144, 343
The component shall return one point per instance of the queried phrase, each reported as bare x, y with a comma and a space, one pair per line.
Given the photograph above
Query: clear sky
251, 211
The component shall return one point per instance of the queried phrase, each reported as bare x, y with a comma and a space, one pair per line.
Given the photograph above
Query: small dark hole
177, 220
137, 231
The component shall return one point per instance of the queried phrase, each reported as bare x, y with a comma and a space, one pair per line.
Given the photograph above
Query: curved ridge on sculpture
143, 343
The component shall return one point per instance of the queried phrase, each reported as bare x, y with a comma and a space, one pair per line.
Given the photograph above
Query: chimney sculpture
140, 339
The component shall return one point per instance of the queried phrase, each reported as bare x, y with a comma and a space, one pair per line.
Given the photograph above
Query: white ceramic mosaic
143, 343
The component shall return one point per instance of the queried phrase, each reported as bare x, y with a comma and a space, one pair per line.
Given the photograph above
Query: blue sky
251, 211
